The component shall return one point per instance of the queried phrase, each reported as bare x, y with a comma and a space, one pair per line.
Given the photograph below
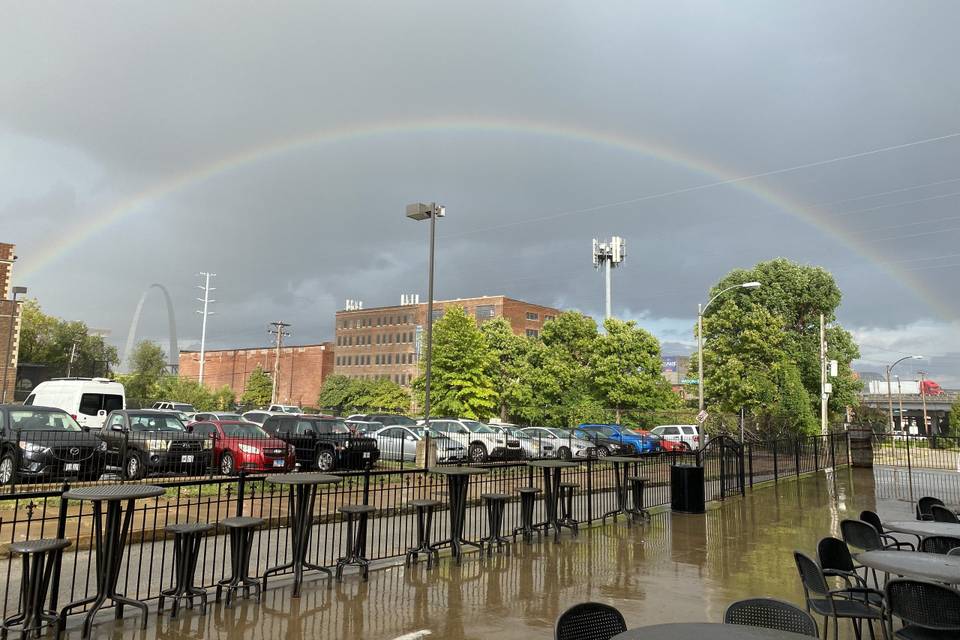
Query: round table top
107, 492
932, 566
304, 478
459, 471
701, 630
618, 459
551, 464
923, 528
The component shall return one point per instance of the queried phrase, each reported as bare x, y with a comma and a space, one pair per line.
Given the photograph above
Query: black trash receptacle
686, 488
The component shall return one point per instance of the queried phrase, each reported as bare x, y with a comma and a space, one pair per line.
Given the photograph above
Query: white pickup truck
482, 442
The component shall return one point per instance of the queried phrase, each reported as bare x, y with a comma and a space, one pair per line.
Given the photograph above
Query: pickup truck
146, 441
323, 443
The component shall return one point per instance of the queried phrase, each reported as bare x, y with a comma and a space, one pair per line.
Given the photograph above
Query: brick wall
9, 325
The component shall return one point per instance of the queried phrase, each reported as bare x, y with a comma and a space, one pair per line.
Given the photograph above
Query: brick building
302, 369
384, 342
9, 325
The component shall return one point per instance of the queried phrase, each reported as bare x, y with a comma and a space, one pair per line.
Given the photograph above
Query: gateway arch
173, 355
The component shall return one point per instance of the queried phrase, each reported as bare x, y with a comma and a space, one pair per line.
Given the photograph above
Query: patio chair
939, 544
771, 614
864, 535
923, 507
928, 610
942, 514
954, 552
871, 517
589, 621
836, 561
846, 603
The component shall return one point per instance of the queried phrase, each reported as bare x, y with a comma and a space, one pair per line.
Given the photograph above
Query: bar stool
496, 505
528, 497
425, 509
566, 506
39, 559
636, 510
241, 542
356, 545
186, 551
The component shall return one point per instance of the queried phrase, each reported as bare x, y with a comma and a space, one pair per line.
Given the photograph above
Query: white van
88, 400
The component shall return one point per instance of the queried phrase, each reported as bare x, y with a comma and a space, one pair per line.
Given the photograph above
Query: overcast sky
276, 144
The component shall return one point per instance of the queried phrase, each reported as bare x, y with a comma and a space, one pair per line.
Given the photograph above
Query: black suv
146, 441
323, 443
43, 443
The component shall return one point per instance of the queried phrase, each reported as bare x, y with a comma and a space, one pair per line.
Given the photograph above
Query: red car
661, 444
244, 446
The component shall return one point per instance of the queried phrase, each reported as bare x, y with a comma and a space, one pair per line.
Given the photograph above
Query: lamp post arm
736, 286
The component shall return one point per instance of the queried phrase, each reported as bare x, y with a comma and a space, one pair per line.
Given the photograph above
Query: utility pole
825, 387
608, 255
73, 355
923, 398
278, 330
204, 312
900, 402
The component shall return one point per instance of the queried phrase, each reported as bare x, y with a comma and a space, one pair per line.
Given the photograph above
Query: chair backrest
834, 553
939, 544
771, 614
954, 552
870, 517
924, 504
942, 514
861, 535
925, 604
810, 574
589, 621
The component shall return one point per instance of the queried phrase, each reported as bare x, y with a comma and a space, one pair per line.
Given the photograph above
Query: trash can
686, 488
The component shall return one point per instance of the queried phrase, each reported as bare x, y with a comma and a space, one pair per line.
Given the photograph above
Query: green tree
388, 396
336, 393
48, 340
954, 419
509, 364
461, 384
259, 388
177, 389
148, 365
224, 399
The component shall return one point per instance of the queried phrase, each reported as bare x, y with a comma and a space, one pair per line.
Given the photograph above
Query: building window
532, 316
533, 333
485, 311
547, 318
437, 314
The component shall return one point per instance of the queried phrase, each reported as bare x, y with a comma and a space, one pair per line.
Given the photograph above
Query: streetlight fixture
890, 391
700, 311
6, 365
420, 211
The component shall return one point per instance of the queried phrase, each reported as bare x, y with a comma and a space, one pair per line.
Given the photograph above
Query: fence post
723, 471
796, 456
750, 462
776, 472
212, 464
743, 484
366, 484
61, 533
241, 491
589, 490
833, 455
909, 466
816, 452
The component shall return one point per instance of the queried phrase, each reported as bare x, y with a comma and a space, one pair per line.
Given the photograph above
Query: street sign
702, 417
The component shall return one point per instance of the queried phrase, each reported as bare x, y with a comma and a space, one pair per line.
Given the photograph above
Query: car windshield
449, 427
290, 409
30, 420
477, 427
335, 426
228, 416
583, 435
516, 433
155, 423
602, 430
420, 432
243, 431
402, 421
183, 407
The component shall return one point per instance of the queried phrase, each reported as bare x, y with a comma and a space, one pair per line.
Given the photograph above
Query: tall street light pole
890, 390
701, 309
6, 365
420, 211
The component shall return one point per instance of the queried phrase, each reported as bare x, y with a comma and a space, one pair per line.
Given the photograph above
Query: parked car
87, 400
605, 444
244, 446
259, 416
687, 434
323, 443
216, 415
531, 448
45, 444
179, 407
386, 419
363, 426
285, 408
481, 441
563, 443
400, 443
147, 441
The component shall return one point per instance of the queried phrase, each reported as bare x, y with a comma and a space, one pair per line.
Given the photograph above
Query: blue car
620, 433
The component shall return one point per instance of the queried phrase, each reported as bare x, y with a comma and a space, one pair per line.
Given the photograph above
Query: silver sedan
400, 443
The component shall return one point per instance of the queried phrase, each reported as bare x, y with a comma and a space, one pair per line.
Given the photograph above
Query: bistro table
301, 500
621, 471
923, 528
458, 483
551, 491
110, 538
932, 566
704, 630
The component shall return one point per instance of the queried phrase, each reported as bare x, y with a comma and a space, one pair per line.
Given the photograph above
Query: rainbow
91, 227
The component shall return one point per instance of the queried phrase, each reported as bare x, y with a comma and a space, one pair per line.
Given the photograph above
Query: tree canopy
48, 340
259, 388
342, 394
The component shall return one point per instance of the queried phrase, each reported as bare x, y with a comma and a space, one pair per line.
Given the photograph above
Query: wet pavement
676, 568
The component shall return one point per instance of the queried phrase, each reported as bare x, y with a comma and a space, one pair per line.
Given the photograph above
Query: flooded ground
677, 568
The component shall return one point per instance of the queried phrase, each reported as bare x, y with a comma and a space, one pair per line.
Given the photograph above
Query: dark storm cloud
99, 102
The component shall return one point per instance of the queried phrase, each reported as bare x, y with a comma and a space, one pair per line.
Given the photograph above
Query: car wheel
478, 453
686, 447
325, 460
602, 452
133, 467
8, 469
227, 465
564, 454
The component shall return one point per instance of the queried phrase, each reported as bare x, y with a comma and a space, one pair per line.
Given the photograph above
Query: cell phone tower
607, 256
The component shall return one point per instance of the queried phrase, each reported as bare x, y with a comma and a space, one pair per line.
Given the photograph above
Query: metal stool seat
241, 542
528, 497
356, 545
425, 509
186, 551
636, 509
496, 505
566, 490
40, 558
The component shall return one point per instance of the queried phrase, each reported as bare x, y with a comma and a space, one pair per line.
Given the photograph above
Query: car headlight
102, 446
246, 448
33, 447
346, 444
208, 444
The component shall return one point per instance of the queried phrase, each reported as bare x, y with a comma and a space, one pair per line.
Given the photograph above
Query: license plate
186, 458
278, 463
71, 466
366, 454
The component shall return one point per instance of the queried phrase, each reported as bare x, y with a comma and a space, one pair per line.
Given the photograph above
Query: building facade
9, 324
302, 369
385, 342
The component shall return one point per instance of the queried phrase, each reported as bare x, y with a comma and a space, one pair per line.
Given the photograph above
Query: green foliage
223, 399
48, 340
336, 393
259, 388
955, 418
147, 367
509, 364
346, 395
177, 389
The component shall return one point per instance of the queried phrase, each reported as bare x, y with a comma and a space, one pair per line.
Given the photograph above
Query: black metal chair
836, 561
39, 559
849, 603
939, 544
864, 535
528, 500
425, 509
187, 538
567, 490
589, 621
954, 552
496, 505
871, 517
770, 613
929, 611
241, 532
355, 539
924, 505
942, 514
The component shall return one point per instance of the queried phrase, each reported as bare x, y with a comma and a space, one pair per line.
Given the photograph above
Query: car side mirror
117, 427
410, 438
